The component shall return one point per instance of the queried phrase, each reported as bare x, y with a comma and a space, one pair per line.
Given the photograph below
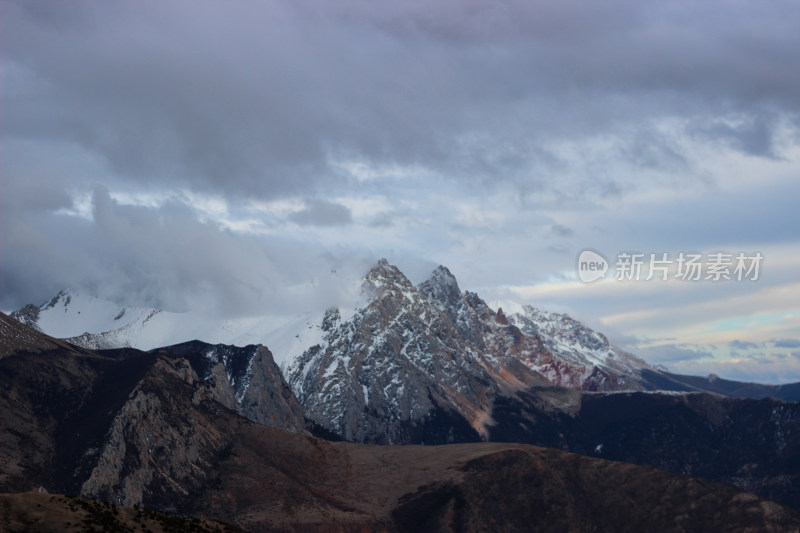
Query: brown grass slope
274, 481
45, 513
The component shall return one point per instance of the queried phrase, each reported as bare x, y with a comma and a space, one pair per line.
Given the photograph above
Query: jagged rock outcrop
398, 370
162, 443
246, 380
28, 315
124, 424
426, 362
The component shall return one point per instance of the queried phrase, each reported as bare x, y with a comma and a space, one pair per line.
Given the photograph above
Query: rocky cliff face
124, 424
170, 431
162, 443
422, 364
244, 379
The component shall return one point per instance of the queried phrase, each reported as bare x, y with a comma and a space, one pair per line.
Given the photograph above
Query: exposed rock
396, 372
158, 450
28, 315
114, 425
246, 380
423, 363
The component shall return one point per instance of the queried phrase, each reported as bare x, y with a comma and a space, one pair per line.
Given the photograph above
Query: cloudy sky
234, 154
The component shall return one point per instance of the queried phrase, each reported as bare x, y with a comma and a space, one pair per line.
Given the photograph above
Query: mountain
424, 364
73, 411
15, 339
579, 345
753, 444
147, 429
98, 324
430, 364
553, 346
246, 380
789, 392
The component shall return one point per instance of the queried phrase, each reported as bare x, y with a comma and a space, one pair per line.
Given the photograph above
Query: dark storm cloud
752, 134
787, 343
165, 257
431, 107
743, 345
323, 213
261, 97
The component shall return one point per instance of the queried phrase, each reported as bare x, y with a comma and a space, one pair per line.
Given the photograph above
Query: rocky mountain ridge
91, 415
416, 356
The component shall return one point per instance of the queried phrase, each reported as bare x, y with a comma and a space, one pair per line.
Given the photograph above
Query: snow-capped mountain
94, 323
575, 343
419, 359
407, 364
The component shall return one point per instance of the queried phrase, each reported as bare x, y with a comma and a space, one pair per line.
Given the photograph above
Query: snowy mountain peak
386, 277
441, 287
28, 315
64, 297
73, 313
396, 364
562, 326
412, 357
573, 341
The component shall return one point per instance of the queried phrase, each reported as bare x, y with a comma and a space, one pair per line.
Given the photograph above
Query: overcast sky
232, 154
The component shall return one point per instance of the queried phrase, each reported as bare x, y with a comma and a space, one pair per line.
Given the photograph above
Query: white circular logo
591, 266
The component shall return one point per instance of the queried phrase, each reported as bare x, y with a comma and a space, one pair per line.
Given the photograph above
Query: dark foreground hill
157, 431
31, 512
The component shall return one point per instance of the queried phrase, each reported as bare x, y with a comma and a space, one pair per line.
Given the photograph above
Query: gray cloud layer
261, 97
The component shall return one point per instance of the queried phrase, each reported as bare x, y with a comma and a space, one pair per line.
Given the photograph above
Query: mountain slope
64, 408
789, 392
753, 444
424, 364
246, 380
155, 434
31, 512
14, 338
572, 341
550, 345
97, 324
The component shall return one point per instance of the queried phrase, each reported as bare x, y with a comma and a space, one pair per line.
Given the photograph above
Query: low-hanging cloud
167, 257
